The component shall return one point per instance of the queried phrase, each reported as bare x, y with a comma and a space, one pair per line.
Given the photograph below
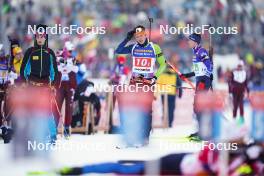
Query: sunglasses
139, 30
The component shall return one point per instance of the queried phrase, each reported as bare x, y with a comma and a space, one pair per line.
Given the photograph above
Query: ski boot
194, 137
52, 140
66, 132
70, 171
6, 134
240, 120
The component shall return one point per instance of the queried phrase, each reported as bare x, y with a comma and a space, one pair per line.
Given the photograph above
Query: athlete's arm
53, 68
161, 60
123, 49
203, 54
25, 64
188, 75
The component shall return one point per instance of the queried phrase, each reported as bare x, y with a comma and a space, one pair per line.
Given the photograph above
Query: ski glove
130, 34
153, 80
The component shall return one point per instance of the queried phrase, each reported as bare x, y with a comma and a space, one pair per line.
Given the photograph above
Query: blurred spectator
119, 16
85, 93
238, 85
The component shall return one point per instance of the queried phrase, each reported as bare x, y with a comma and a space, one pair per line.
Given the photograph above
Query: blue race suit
202, 66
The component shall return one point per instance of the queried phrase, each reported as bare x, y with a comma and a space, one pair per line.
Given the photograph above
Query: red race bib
143, 65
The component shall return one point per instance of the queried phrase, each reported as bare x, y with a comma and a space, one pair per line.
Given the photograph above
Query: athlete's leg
171, 103
241, 105
148, 121
68, 107
57, 105
235, 104
148, 125
1, 102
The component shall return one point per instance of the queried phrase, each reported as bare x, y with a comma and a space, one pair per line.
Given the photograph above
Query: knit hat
195, 37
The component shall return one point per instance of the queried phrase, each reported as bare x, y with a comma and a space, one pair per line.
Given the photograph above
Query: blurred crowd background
121, 16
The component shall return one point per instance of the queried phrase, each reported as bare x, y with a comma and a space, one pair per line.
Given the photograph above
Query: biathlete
144, 54
202, 69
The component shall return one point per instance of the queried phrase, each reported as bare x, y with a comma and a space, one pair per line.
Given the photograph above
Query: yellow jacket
169, 77
17, 64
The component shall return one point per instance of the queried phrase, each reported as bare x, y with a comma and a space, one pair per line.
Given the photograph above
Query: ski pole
174, 68
211, 52
57, 107
150, 21
179, 73
211, 49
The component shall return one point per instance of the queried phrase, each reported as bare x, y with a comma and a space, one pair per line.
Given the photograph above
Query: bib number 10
142, 62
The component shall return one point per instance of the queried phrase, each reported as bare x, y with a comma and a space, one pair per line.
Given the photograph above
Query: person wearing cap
202, 64
202, 71
120, 71
39, 72
66, 86
8, 75
39, 65
14, 43
16, 65
119, 74
144, 54
3, 67
238, 85
18, 58
3, 78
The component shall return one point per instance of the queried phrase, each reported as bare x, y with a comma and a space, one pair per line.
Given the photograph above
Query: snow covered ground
98, 148
86, 149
